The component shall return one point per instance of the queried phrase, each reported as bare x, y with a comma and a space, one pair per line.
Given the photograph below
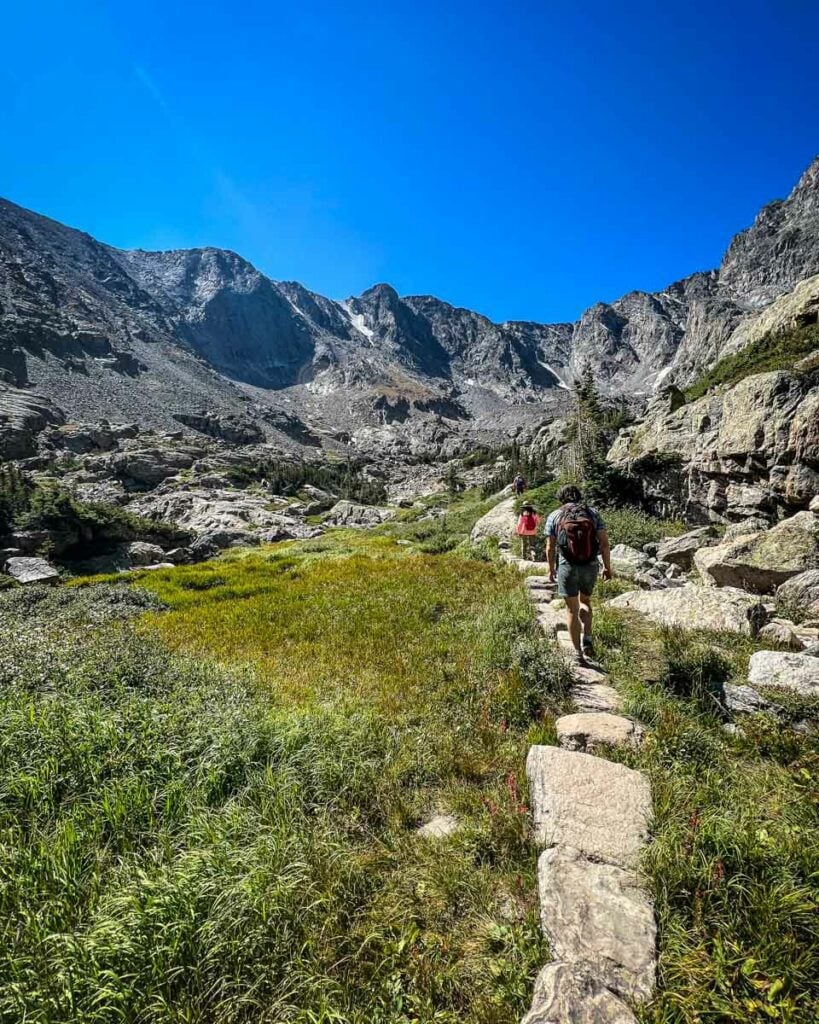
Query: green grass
734, 862
207, 813
774, 352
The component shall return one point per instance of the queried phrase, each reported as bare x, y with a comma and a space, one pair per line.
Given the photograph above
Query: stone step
596, 914
595, 697
587, 730
571, 994
550, 620
599, 808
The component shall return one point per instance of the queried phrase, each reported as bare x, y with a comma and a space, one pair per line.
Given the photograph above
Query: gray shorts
576, 579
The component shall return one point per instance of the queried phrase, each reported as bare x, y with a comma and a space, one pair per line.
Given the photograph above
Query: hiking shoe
579, 659
588, 646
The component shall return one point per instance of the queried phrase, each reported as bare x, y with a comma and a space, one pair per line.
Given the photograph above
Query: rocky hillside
161, 337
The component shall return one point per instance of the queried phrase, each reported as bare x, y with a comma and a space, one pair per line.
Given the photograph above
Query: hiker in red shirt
528, 523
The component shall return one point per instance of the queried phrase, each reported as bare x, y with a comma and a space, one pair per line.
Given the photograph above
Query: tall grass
734, 858
208, 814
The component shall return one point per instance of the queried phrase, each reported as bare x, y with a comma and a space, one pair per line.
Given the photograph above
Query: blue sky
521, 159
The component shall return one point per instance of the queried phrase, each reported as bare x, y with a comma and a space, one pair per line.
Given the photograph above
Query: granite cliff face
181, 337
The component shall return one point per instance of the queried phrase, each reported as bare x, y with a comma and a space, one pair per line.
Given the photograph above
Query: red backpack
577, 535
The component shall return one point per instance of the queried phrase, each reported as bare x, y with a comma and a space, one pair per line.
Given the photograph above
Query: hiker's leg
585, 615
573, 620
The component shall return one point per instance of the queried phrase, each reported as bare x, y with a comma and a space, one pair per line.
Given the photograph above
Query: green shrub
693, 669
773, 352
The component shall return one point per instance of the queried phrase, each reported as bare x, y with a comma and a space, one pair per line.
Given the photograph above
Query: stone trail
591, 820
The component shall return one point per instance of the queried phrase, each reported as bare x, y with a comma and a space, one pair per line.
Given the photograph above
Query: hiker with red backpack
576, 535
528, 523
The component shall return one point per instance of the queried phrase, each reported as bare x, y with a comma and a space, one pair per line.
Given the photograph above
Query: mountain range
168, 338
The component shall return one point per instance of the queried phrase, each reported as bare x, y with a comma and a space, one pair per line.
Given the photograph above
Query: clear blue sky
522, 159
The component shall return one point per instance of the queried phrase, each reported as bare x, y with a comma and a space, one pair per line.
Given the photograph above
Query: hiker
528, 523
576, 536
520, 485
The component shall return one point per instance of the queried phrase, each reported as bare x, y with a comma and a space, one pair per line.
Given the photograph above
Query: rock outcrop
798, 672
498, 523
760, 562
800, 593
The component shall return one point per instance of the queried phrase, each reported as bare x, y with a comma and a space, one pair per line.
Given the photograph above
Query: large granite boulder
347, 513
799, 672
139, 552
498, 523
31, 570
696, 607
626, 560
760, 562
800, 593
680, 551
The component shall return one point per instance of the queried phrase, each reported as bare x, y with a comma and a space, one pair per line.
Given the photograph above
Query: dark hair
569, 495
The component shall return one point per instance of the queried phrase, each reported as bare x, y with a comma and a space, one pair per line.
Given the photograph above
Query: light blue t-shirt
550, 529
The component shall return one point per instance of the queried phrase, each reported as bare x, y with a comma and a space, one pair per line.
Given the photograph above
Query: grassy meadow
211, 780
211, 783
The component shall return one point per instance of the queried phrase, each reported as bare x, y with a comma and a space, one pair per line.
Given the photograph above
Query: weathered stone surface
593, 697
572, 994
680, 551
596, 914
31, 570
761, 562
800, 592
626, 561
23, 415
597, 807
347, 513
799, 672
745, 528
744, 699
585, 731
694, 607
498, 523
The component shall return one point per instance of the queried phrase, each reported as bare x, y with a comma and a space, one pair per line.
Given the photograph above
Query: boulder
744, 699
696, 607
498, 523
799, 672
626, 560
597, 807
800, 593
347, 513
760, 562
680, 551
23, 414
140, 553
586, 731
781, 633
31, 570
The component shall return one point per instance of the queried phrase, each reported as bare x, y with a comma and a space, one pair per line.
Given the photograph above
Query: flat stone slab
538, 582
587, 730
596, 914
595, 697
31, 570
798, 672
570, 994
597, 807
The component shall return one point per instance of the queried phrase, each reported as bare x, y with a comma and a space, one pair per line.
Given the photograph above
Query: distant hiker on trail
520, 485
577, 534
528, 523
